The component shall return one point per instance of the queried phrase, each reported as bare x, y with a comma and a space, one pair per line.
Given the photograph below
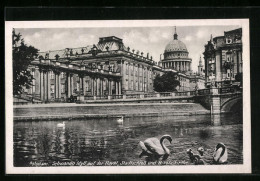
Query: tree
166, 83
239, 78
22, 57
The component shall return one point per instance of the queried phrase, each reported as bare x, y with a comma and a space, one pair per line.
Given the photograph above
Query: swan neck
163, 146
222, 152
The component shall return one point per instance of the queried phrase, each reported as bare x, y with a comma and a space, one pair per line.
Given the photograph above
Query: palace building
107, 68
223, 58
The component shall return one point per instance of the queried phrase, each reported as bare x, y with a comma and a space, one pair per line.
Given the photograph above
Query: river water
105, 142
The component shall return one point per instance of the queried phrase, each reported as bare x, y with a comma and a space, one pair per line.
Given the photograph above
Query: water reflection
105, 140
215, 120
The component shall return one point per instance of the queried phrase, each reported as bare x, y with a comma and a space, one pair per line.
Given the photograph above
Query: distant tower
200, 67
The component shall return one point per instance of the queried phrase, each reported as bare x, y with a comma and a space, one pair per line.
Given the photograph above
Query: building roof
175, 46
238, 30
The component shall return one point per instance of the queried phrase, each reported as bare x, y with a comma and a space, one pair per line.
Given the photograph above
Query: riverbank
85, 111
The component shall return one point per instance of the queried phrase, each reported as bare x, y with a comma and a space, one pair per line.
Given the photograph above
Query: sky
152, 40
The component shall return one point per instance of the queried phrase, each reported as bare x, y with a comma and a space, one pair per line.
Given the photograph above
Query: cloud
165, 35
56, 39
60, 36
134, 36
145, 39
201, 33
188, 38
36, 35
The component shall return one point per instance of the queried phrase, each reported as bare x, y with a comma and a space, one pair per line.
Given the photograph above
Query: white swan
154, 147
61, 125
220, 155
120, 120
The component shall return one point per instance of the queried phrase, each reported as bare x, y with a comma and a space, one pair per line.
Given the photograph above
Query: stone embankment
84, 111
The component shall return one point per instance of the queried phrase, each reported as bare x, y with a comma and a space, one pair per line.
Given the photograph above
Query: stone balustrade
201, 92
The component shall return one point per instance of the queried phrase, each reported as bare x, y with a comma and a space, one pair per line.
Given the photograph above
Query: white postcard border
243, 168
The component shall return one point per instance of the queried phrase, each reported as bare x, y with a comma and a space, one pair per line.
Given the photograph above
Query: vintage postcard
128, 96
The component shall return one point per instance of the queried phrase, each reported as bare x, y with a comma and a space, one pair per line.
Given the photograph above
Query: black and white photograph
129, 96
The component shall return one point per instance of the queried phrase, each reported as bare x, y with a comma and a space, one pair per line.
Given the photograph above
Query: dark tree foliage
239, 78
22, 57
166, 83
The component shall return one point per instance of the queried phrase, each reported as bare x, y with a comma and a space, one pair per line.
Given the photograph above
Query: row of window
177, 55
52, 88
52, 75
134, 70
141, 86
87, 87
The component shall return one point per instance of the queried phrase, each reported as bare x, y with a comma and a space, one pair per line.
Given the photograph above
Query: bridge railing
166, 94
182, 93
149, 95
88, 97
200, 92
192, 93
101, 97
224, 90
203, 91
132, 96
116, 96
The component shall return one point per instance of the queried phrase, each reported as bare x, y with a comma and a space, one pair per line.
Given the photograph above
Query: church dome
176, 56
175, 45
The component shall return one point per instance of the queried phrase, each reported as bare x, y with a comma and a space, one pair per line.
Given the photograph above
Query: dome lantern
175, 36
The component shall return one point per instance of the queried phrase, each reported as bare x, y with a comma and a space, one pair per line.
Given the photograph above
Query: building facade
197, 80
108, 68
223, 59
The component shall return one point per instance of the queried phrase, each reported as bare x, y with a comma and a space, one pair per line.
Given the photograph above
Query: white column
55, 86
59, 86
101, 87
98, 87
94, 86
116, 87
119, 86
84, 84
81, 85
41, 85
49, 86
69, 86
109, 87
45, 87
